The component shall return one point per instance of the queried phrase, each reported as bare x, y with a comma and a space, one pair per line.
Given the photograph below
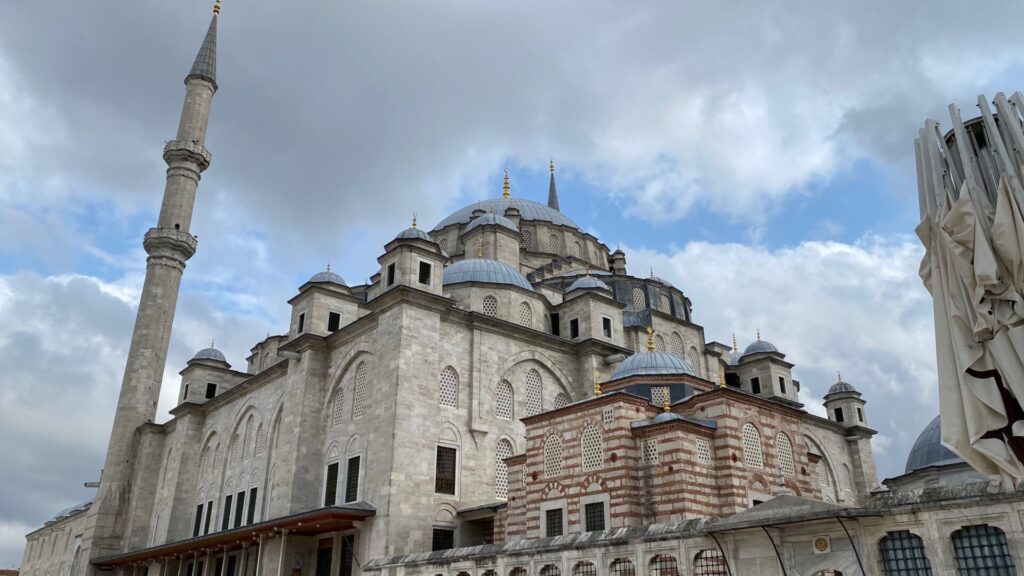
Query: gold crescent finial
480, 247
721, 378
665, 402
505, 187
597, 382
551, 166
414, 220
650, 339
216, 7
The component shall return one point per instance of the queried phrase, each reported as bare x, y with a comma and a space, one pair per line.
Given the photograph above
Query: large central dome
528, 210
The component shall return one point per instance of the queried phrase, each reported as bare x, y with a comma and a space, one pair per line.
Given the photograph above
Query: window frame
604, 499
550, 506
359, 478
607, 326
420, 263
327, 476
390, 274
211, 393
333, 317
458, 457
574, 328
755, 385
436, 528
838, 412
782, 384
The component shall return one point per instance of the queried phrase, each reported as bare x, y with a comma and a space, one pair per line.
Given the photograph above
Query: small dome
841, 386
413, 234
733, 358
588, 282
929, 451
760, 346
210, 353
484, 270
492, 218
327, 277
660, 281
650, 363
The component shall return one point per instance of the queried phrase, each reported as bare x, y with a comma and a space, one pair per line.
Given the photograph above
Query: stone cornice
739, 396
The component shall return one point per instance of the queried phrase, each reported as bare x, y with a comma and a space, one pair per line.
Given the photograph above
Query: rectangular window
333, 322
331, 485
553, 523
606, 327
239, 508
444, 475
594, 514
209, 515
782, 385
199, 568
199, 521
352, 480
302, 323
574, 328
185, 395
444, 539
347, 555
232, 565
556, 328
391, 274
839, 414
211, 390
755, 385
324, 557
225, 517
425, 269
860, 414
251, 515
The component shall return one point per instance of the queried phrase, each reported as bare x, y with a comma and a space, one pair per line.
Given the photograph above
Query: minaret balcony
188, 150
168, 242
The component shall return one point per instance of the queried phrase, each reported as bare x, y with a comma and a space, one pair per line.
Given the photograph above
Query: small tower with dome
844, 404
206, 375
413, 260
323, 305
761, 369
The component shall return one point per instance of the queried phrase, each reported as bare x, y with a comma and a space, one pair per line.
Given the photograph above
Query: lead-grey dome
484, 270
588, 282
413, 234
928, 449
528, 210
652, 363
210, 353
759, 347
733, 358
327, 277
492, 218
841, 386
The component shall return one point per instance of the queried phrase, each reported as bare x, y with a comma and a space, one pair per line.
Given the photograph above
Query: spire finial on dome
839, 376
759, 334
212, 342
665, 402
551, 165
480, 247
652, 271
650, 339
505, 187
552, 192
328, 266
735, 348
414, 220
216, 7
597, 382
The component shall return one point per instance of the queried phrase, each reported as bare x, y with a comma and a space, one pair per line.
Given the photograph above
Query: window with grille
659, 343
534, 390
659, 394
553, 523
593, 516
359, 395
339, 405
845, 480
622, 567
444, 473
352, 480
823, 476
608, 416
331, 484
903, 555
490, 306
664, 565
554, 243
561, 400
503, 451
250, 425
425, 270
693, 358
584, 569
333, 321
593, 448
709, 563
784, 453
981, 549
503, 400
556, 326
448, 394
526, 239
664, 303
703, 452
236, 449
650, 451
639, 300
525, 314
443, 245
518, 571
487, 573
443, 539
550, 569
675, 344
552, 456
579, 251
261, 440
752, 455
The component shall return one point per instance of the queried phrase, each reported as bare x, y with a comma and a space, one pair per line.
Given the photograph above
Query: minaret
169, 246
552, 194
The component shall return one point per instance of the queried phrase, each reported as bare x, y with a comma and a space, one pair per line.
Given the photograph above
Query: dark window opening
302, 323
444, 479
323, 558
209, 514
755, 385
594, 515
185, 395
574, 328
756, 502
860, 414
218, 565
232, 565
211, 390
556, 328
839, 414
225, 517
391, 274
606, 327
553, 523
425, 269
782, 385
347, 555
732, 380
239, 508
352, 480
251, 515
444, 539
331, 485
177, 226
199, 521
333, 322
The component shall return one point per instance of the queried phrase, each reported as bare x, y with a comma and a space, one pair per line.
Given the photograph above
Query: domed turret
413, 234
210, 356
484, 270
652, 362
928, 449
840, 387
760, 347
588, 281
327, 277
844, 403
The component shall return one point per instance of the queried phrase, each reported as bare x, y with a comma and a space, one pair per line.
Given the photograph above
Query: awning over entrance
318, 521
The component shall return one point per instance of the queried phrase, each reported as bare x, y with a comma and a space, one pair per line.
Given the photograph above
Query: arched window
675, 344
503, 400
554, 244
981, 549
518, 571
659, 343
622, 567
593, 448
693, 358
579, 251
501, 452
649, 448
359, 395
664, 304
236, 449
448, 393
552, 456
76, 558
752, 455
534, 393
261, 440
339, 406
526, 239
584, 569
525, 314
823, 476
709, 563
903, 555
784, 453
561, 400
639, 300
490, 306
703, 452
443, 245
664, 565
847, 484
489, 573
250, 425
550, 570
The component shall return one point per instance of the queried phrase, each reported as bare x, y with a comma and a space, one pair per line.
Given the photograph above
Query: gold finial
665, 402
480, 248
597, 382
414, 220
505, 187
650, 339
551, 166
216, 7
721, 378
735, 348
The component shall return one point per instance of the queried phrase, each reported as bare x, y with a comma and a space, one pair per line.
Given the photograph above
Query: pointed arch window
784, 453
448, 395
359, 394
247, 445
664, 303
982, 549
552, 456
503, 400
593, 448
709, 563
534, 393
525, 314
845, 480
236, 449
664, 565
752, 454
693, 358
903, 554
561, 400
659, 343
622, 567
554, 244
261, 441
338, 410
675, 344
526, 239
503, 451
579, 251
443, 245
584, 568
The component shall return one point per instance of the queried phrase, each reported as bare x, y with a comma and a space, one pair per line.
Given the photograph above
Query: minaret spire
552, 193
169, 245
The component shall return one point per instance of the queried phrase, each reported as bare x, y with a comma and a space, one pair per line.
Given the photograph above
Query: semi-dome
652, 363
528, 210
210, 353
492, 218
929, 451
588, 282
484, 270
760, 346
413, 234
327, 277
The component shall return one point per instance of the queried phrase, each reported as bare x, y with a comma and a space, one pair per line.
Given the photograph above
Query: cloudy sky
759, 155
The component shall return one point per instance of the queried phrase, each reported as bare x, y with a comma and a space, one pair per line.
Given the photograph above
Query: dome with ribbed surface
652, 363
528, 210
210, 353
588, 282
413, 234
841, 386
760, 347
929, 451
327, 277
484, 270
492, 219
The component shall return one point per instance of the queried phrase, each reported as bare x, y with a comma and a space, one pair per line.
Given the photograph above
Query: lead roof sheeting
528, 210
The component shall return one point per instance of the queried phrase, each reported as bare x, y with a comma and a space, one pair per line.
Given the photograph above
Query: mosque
502, 398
